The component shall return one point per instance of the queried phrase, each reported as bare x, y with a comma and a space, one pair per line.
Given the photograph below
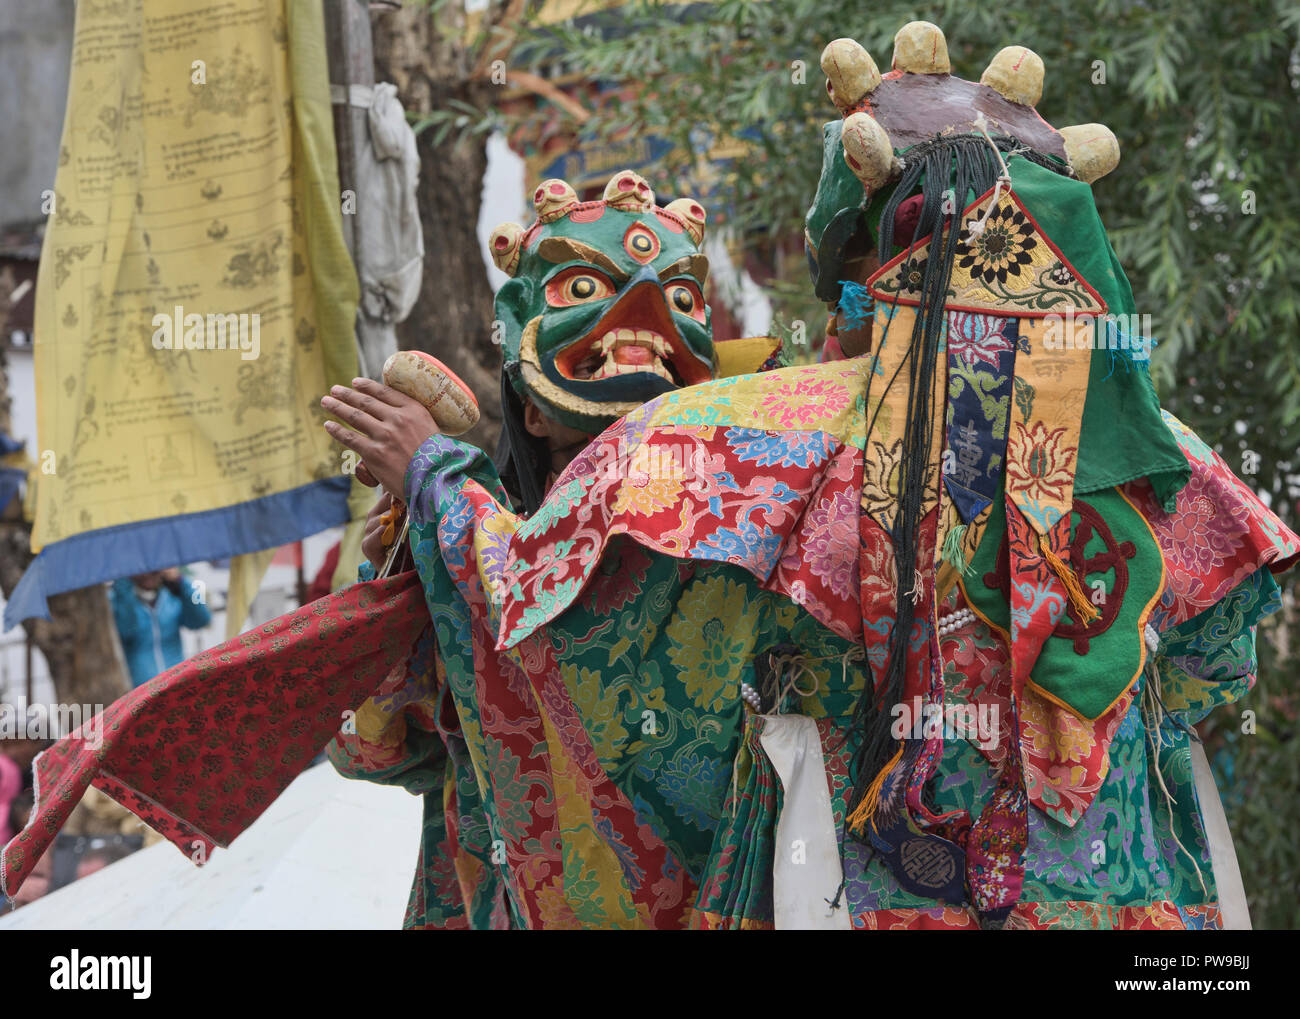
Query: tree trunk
453, 317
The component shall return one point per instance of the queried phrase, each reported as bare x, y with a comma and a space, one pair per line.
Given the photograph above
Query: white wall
505, 199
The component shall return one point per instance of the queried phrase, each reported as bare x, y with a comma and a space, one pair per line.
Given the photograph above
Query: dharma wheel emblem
1113, 556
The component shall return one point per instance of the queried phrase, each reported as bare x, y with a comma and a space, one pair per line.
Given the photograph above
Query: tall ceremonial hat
955, 239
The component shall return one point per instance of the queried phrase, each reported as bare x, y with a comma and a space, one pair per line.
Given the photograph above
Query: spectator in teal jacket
150, 609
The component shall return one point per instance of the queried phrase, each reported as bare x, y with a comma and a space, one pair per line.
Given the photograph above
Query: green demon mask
605, 306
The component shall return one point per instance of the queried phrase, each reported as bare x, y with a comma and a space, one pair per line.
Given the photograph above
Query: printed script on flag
195, 296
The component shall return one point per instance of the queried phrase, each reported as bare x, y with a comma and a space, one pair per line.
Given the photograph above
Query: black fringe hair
958, 169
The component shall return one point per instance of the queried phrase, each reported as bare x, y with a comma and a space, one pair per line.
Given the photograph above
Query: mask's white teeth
631, 338
623, 337
612, 367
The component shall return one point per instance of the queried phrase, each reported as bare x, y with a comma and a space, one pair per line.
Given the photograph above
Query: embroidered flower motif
975, 337
694, 786
653, 483
1207, 530
1060, 274
745, 544
880, 480
554, 910
805, 402
507, 774
711, 641
879, 578
911, 273
1040, 467
1001, 248
1058, 736
601, 713
829, 545
493, 549
881, 475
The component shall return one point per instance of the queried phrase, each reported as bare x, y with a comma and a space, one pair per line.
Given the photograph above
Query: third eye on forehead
640, 242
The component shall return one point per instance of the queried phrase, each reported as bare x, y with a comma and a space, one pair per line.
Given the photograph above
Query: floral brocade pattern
596, 680
1218, 534
1000, 249
565, 691
1042, 471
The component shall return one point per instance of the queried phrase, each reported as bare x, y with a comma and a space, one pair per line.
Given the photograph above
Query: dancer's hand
387, 427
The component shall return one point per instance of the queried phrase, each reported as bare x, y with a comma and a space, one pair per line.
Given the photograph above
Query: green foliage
1259, 774
454, 119
1203, 98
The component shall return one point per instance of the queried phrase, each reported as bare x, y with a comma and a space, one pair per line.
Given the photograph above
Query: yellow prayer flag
195, 296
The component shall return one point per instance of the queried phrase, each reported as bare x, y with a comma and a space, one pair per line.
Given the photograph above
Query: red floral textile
202, 749
1217, 535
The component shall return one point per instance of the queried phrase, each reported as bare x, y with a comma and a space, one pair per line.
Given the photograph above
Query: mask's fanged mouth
650, 345
625, 352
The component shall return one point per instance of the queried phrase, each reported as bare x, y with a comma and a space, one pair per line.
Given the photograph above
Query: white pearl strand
955, 621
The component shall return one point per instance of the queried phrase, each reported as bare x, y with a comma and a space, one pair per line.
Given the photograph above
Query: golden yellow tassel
1083, 608
389, 519
871, 798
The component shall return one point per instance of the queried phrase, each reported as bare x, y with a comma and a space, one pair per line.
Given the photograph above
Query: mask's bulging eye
686, 299
641, 243
577, 286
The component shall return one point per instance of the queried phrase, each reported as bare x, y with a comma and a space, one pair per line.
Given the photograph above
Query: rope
798, 665
1154, 713
1004, 177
